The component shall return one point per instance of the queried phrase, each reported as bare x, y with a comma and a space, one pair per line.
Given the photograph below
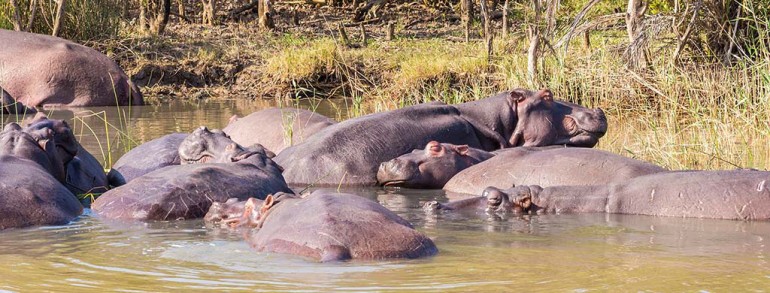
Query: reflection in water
540, 253
477, 252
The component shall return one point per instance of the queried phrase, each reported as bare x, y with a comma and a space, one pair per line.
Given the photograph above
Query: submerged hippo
147, 157
350, 152
733, 195
29, 194
11, 106
326, 226
548, 167
214, 146
42, 70
82, 172
276, 128
187, 191
430, 168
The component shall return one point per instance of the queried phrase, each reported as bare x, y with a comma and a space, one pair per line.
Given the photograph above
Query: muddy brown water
552, 253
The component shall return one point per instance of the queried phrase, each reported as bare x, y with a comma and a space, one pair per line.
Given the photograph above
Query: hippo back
277, 128
350, 152
548, 167
44, 70
339, 226
724, 194
187, 191
30, 196
148, 157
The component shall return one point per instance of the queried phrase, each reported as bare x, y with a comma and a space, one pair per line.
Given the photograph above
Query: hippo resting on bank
548, 167
430, 168
350, 152
732, 195
145, 158
83, 173
42, 70
326, 226
29, 194
187, 191
276, 128
10, 106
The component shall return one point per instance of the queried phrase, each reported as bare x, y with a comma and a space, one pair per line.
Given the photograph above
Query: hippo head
250, 213
66, 144
210, 146
431, 167
37, 146
517, 199
220, 213
543, 121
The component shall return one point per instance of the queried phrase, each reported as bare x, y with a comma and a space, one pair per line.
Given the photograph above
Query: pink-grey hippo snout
397, 171
585, 128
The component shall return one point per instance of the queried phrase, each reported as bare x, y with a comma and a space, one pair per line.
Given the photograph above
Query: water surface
572, 253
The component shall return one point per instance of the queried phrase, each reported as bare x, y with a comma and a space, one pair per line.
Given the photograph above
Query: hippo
326, 226
204, 146
548, 167
83, 173
145, 158
11, 106
30, 195
40, 70
726, 194
276, 128
430, 168
350, 152
187, 191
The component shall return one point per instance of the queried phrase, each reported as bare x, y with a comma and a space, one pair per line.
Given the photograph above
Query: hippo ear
523, 200
230, 147
269, 201
519, 95
462, 149
545, 94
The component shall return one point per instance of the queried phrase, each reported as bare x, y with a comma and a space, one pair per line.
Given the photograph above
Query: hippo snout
601, 119
395, 172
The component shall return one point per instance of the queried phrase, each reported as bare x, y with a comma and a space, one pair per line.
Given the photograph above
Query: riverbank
681, 115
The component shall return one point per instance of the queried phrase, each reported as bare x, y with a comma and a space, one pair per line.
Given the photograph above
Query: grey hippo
325, 226
39, 70
145, 158
30, 195
547, 167
82, 172
431, 167
727, 194
276, 128
11, 106
350, 152
215, 146
187, 191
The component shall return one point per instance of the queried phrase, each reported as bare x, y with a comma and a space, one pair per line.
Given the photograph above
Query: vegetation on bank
693, 92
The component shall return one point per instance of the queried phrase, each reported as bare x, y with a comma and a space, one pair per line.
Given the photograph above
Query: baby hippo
325, 226
431, 167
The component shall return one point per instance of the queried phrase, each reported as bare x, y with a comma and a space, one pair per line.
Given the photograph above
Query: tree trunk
390, 32
360, 14
142, 14
467, 6
634, 18
683, 39
505, 18
32, 11
265, 10
487, 27
550, 14
59, 15
180, 9
162, 19
534, 43
208, 12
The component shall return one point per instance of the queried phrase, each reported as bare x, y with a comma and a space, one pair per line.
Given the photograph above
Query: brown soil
194, 61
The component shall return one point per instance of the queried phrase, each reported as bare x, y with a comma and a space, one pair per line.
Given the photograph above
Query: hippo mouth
394, 183
202, 159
